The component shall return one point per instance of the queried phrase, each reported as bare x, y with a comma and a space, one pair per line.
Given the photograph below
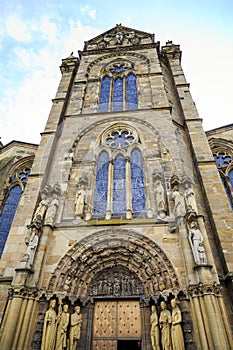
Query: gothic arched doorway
113, 275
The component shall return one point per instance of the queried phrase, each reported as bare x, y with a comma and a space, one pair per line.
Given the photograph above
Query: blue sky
36, 35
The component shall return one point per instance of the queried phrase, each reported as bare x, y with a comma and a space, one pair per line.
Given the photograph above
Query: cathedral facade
123, 233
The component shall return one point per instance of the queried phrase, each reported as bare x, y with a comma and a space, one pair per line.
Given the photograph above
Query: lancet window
120, 185
10, 205
118, 89
224, 162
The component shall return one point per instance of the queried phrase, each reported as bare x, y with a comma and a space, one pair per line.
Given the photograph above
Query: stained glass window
119, 186
104, 94
117, 95
120, 183
9, 209
101, 189
120, 99
223, 162
137, 182
131, 92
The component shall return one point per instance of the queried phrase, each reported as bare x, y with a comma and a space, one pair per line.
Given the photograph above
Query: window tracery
224, 163
118, 88
120, 187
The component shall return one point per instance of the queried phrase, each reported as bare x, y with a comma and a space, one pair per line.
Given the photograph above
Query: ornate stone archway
115, 250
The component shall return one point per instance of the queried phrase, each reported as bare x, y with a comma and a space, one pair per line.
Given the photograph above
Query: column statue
49, 328
75, 328
80, 199
52, 210
62, 324
197, 244
32, 241
165, 321
190, 197
42, 207
178, 199
160, 199
177, 334
154, 331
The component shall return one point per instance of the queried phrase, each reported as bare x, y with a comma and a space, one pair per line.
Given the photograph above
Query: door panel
115, 320
129, 320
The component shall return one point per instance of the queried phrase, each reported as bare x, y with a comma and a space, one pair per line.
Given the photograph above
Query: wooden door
115, 320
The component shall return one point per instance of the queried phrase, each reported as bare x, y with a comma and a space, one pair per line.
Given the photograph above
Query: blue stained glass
230, 193
222, 160
119, 186
118, 140
104, 94
118, 95
137, 182
118, 69
101, 188
131, 92
8, 214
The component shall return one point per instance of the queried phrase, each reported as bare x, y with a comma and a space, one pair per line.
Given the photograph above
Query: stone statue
165, 321
197, 244
62, 324
49, 328
52, 210
80, 198
75, 328
41, 208
154, 331
189, 196
80, 201
33, 240
160, 198
177, 334
179, 202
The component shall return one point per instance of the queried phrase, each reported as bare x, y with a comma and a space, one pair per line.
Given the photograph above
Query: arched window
119, 90
137, 182
117, 104
120, 189
104, 94
10, 206
101, 188
224, 163
131, 92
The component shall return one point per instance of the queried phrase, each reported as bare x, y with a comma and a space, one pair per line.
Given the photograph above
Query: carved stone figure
80, 201
160, 199
179, 202
52, 210
197, 244
33, 240
49, 328
75, 328
154, 331
177, 334
190, 197
41, 208
62, 324
165, 321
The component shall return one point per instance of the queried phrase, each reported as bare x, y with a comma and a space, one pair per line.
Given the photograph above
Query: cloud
17, 28
87, 9
26, 102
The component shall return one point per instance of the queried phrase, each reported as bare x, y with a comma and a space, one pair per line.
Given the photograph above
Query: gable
117, 37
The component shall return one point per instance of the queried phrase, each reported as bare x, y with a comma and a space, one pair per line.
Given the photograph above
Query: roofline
224, 127
14, 143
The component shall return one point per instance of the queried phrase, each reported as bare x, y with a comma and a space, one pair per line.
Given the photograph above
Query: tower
121, 211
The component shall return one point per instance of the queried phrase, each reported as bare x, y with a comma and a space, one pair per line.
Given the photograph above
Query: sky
35, 35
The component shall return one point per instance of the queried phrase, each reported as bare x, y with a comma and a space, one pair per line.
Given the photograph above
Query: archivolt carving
119, 54
114, 249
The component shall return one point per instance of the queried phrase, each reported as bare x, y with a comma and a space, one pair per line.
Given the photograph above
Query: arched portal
114, 274
114, 250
